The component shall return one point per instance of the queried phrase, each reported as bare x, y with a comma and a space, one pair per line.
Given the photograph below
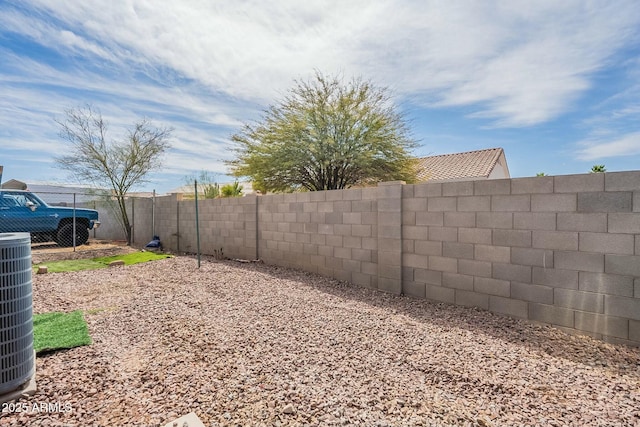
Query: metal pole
195, 183
74, 222
153, 214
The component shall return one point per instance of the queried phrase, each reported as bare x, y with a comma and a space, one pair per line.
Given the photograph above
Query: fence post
195, 184
390, 236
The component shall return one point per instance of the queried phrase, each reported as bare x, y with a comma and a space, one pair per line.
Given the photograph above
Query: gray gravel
254, 345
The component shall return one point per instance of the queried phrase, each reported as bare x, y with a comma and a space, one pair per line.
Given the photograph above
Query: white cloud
518, 64
625, 145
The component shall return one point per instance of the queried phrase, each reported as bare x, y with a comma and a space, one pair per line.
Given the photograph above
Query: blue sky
555, 83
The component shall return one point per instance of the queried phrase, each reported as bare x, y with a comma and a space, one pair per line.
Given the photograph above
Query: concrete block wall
332, 233
561, 250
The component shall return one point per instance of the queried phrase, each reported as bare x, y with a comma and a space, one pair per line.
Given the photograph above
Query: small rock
42, 270
116, 263
289, 409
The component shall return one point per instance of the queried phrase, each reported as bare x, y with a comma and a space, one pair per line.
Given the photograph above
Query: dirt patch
46, 252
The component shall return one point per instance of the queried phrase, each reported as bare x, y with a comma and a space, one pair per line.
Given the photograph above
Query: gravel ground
255, 345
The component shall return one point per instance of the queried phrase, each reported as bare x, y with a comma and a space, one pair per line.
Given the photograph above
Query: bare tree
118, 165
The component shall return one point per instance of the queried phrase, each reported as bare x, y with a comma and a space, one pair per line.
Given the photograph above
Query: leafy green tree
598, 169
541, 174
231, 190
118, 165
325, 135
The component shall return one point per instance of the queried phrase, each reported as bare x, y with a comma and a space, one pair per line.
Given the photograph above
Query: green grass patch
55, 331
132, 258
101, 262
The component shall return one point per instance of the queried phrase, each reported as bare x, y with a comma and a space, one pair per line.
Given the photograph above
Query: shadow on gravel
535, 337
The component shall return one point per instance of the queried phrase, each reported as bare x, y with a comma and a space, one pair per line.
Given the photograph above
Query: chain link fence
72, 219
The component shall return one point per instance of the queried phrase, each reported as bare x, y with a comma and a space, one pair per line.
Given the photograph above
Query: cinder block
325, 228
508, 306
457, 281
408, 218
530, 292
414, 205
393, 286
622, 244
534, 221
580, 261
413, 289
439, 263
427, 190
472, 299
502, 220
462, 188
518, 203
611, 284
637, 244
605, 202
352, 194
602, 324
474, 204
333, 240
352, 218
427, 276
622, 306
361, 255
518, 238
459, 219
330, 218
636, 201
342, 253
550, 314
362, 279
534, 257
353, 242
578, 183
624, 223
364, 230
634, 331
492, 186
554, 202
626, 265
416, 261
486, 285
474, 268
389, 271
578, 300
443, 234
441, 204
560, 240
622, 181
415, 232
407, 192
351, 265
594, 222
515, 273
457, 250
555, 277
492, 253
428, 247
439, 293
389, 205
430, 218
474, 235
362, 206
537, 184
636, 288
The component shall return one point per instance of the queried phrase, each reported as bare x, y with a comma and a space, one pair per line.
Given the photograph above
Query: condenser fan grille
17, 363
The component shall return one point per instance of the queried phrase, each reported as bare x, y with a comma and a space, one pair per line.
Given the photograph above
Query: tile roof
471, 164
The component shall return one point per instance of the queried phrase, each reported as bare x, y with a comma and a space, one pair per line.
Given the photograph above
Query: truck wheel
65, 235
